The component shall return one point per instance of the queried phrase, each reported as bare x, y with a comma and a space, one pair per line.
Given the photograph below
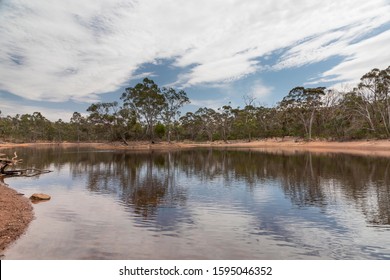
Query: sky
58, 57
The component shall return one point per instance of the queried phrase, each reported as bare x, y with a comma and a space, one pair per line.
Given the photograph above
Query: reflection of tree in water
147, 180
366, 181
155, 186
143, 181
307, 179
316, 180
300, 179
147, 196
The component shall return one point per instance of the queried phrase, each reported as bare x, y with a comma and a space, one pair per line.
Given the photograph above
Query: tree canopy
148, 112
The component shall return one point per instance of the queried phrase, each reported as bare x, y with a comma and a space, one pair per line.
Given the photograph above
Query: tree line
148, 112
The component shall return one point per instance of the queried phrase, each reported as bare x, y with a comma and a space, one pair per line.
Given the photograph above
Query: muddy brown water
205, 204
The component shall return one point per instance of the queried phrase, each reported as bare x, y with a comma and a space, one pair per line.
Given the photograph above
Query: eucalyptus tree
209, 121
191, 125
147, 101
60, 128
303, 103
247, 117
173, 102
41, 126
102, 116
244, 124
267, 122
332, 121
127, 125
353, 119
6, 127
373, 100
77, 120
29, 127
2, 125
13, 130
225, 117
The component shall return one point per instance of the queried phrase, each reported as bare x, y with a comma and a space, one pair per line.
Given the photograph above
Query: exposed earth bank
16, 212
369, 147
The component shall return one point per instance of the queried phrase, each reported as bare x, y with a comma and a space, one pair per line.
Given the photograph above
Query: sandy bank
368, 148
363, 147
16, 213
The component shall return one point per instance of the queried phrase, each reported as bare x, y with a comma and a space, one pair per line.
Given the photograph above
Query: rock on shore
40, 196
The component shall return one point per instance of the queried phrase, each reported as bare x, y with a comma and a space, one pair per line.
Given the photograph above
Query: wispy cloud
260, 91
11, 108
361, 57
75, 50
210, 103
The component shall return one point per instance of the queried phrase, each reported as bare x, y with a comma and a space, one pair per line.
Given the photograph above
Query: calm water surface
205, 204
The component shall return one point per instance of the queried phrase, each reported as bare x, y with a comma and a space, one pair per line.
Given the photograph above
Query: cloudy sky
59, 56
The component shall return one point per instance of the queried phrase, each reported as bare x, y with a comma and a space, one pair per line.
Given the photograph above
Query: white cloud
223, 70
362, 57
11, 108
209, 103
61, 50
259, 91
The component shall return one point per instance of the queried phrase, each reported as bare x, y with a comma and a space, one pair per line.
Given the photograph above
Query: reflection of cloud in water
333, 231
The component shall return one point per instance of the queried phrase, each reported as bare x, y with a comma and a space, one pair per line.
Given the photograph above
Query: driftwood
6, 162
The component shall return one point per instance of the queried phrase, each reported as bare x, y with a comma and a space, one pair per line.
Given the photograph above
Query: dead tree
6, 162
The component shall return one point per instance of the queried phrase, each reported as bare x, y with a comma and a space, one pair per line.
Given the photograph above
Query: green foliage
173, 102
159, 130
147, 101
148, 112
301, 105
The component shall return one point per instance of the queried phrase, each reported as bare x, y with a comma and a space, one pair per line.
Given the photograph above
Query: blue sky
58, 57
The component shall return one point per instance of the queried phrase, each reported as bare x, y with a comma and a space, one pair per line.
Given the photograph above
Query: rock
40, 196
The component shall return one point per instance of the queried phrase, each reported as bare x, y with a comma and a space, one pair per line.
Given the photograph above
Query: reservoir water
205, 204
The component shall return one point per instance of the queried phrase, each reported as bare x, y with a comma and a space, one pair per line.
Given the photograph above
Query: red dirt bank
16, 212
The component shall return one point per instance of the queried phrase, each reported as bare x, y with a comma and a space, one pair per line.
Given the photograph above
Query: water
205, 204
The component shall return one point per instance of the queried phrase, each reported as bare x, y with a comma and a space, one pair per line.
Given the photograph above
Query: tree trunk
311, 124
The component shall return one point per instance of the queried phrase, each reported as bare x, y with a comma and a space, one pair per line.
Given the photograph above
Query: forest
147, 112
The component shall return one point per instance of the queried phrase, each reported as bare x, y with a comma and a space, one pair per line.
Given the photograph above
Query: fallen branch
34, 172
6, 162
25, 172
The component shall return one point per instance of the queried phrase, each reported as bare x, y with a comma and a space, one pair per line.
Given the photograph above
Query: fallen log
6, 162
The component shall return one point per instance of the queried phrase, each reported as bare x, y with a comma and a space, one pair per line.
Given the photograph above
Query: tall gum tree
104, 114
373, 92
174, 100
147, 101
303, 103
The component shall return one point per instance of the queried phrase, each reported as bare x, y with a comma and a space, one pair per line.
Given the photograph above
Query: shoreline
360, 147
16, 213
